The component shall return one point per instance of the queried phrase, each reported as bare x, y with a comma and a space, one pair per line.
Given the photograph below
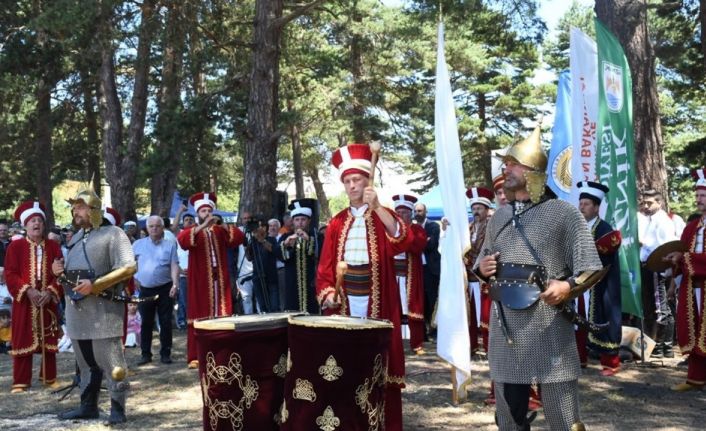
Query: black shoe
117, 413
667, 350
144, 360
658, 351
88, 409
166, 360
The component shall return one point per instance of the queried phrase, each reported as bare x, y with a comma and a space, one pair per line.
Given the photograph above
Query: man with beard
98, 263
299, 252
479, 311
691, 325
604, 304
408, 269
656, 228
365, 236
537, 254
431, 263
35, 293
209, 294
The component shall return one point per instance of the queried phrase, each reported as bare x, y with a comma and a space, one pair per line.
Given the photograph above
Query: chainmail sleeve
122, 262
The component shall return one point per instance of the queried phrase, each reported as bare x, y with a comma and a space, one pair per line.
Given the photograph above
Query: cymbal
655, 261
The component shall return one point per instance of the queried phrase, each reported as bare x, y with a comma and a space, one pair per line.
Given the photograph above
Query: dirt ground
168, 397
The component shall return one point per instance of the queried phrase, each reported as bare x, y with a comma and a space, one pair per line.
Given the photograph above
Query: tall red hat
406, 201
700, 177
201, 199
480, 195
29, 209
113, 216
353, 159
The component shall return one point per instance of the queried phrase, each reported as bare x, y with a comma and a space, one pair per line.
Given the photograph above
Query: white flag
453, 341
584, 108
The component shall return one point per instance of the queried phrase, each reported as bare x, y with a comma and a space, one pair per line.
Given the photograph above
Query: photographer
260, 251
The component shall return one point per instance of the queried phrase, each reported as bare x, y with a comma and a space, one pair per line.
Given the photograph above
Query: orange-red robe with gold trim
691, 330
417, 241
384, 300
25, 267
209, 293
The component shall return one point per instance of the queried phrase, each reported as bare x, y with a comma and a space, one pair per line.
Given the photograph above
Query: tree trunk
260, 162
360, 134
121, 160
167, 147
702, 21
42, 148
91, 124
295, 136
484, 141
628, 21
325, 214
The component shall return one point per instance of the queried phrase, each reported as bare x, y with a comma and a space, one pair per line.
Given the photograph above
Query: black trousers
431, 294
163, 306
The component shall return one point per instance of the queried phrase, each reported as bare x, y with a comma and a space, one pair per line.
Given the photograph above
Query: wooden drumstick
341, 269
375, 147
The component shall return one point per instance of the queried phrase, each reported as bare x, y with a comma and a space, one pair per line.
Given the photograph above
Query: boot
658, 351
667, 345
117, 412
88, 409
668, 350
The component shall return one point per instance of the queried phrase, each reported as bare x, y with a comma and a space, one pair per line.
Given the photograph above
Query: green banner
615, 161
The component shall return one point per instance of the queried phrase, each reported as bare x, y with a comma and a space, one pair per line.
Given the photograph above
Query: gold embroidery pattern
281, 367
374, 264
283, 414
303, 250
328, 421
289, 360
221, 282
690, 300
362, 395
227, 374
330, 371
304, 390
341, 244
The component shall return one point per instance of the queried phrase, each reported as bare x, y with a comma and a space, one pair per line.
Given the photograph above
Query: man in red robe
481, 199
209, 293
366, 236
691, 324
35, 293
409, 272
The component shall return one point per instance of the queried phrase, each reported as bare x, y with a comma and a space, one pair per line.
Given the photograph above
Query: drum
336, 373
242, 365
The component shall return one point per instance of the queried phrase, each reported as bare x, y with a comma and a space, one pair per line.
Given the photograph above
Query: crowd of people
544, 288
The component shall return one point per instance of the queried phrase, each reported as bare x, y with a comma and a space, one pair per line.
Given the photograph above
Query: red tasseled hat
113, 216
480, 195
203, 199
406, 201
29, 209
353, 158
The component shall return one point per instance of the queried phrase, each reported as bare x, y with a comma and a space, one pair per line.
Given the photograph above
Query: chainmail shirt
107, 248
544, 347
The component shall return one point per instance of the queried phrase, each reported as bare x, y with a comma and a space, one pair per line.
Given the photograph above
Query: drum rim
272, 320
312, 321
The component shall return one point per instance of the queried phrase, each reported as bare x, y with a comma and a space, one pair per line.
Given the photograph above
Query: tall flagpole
453, 341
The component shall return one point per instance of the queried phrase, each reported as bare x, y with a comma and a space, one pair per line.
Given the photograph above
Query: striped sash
357, 280
401, 266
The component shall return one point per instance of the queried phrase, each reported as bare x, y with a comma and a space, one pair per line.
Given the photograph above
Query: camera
229, 219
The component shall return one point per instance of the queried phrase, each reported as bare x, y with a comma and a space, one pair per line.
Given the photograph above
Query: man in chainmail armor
99, 261
538, 253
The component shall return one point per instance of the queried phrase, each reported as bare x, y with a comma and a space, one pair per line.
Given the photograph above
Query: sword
499, 308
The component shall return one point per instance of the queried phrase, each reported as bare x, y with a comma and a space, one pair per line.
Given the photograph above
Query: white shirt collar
358, 212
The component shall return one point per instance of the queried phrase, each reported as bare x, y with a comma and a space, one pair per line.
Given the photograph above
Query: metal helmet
529, 153
89, 197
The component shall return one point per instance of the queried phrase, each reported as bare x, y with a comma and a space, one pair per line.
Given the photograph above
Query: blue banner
559, 167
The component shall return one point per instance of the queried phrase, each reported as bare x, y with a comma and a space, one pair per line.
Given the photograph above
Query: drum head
248, 322
339, 322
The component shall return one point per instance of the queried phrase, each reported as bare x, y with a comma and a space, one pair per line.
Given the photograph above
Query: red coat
691, 331
209, 292
416, 242
21, 274
384, 301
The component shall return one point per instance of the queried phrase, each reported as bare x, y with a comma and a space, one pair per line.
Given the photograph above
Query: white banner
584, 108
453, 340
